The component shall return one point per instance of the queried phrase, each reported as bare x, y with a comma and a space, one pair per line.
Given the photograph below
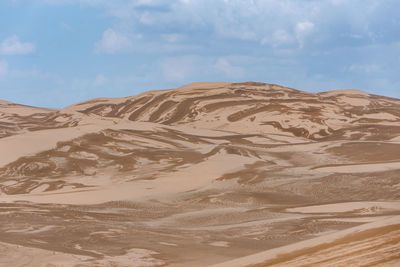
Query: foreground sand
210, 173
372, 244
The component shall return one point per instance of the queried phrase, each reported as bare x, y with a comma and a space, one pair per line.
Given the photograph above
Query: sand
233, 174
341, 238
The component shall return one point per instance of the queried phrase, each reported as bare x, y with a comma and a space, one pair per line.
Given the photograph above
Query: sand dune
209, 173
249, 107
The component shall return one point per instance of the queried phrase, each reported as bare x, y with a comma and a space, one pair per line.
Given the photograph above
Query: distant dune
231, 174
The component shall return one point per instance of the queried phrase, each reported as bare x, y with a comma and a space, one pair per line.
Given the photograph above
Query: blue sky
57, 52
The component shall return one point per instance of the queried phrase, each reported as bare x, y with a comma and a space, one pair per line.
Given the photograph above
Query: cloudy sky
57, 52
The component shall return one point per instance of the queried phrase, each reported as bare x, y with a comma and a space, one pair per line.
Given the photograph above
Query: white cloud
279, 37
100, 80
337, 2
66, 26
177, 69
146, 3
269, 22
112, 42
303, 30
147, 19
3, 68
12, 46
224, 66
364, 68
173, 37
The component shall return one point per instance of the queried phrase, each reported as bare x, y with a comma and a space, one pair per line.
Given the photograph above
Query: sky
54, 53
